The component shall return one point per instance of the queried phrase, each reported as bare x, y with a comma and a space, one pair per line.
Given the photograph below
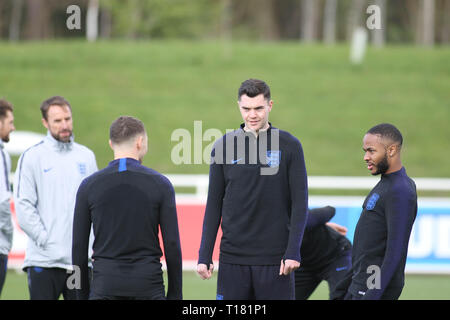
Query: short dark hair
387, 130
125, 128
53, 101
5, 106
254, 87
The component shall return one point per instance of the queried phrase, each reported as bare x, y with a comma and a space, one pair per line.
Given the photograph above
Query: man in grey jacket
6, 227
45, 185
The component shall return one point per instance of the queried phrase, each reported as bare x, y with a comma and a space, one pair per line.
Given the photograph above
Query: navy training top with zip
259, 197
127, 203
382, 235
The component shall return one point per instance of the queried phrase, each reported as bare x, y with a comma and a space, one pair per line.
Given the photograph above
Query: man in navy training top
258, 194
127, 203
380, 243
326, 253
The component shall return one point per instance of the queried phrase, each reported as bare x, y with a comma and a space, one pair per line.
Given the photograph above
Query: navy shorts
307, 280
243, 282
48, 284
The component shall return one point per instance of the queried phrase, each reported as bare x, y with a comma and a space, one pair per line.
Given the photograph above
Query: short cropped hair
53, 101
5, 106
125, 128
389, 131
254, 87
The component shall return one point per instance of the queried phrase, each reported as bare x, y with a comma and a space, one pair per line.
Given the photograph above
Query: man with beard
6, 227
380, 243
46, 182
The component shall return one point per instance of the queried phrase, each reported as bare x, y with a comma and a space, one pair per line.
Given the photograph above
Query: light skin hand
288, 266
340, 229
203, 272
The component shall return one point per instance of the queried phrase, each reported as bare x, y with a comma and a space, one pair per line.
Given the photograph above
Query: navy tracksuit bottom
246, 282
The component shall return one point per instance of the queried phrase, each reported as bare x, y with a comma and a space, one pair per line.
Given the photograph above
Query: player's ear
110, 144
393, 150
45, 123
270, 105
139, 142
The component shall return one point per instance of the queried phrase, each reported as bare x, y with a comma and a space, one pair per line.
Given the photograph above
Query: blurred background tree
421, 22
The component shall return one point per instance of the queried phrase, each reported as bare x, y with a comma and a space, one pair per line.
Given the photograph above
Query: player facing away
45, 184
380, 242
258, 194
127, 203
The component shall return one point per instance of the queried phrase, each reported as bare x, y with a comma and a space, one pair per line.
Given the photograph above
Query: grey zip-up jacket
45, 185
6, 227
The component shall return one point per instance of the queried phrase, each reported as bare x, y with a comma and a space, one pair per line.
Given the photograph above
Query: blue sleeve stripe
122, 164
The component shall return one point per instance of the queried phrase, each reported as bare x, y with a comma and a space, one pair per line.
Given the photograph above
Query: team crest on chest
273, 158
372, 201
82, 168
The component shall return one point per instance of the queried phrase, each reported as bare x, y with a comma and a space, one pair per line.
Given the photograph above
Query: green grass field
319, 97
417, 287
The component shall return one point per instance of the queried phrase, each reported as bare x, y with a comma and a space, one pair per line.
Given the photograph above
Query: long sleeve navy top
262, 213
127, 204
321, 244
382, 234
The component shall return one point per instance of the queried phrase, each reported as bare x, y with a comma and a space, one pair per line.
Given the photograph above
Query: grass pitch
417, 287
318, 95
